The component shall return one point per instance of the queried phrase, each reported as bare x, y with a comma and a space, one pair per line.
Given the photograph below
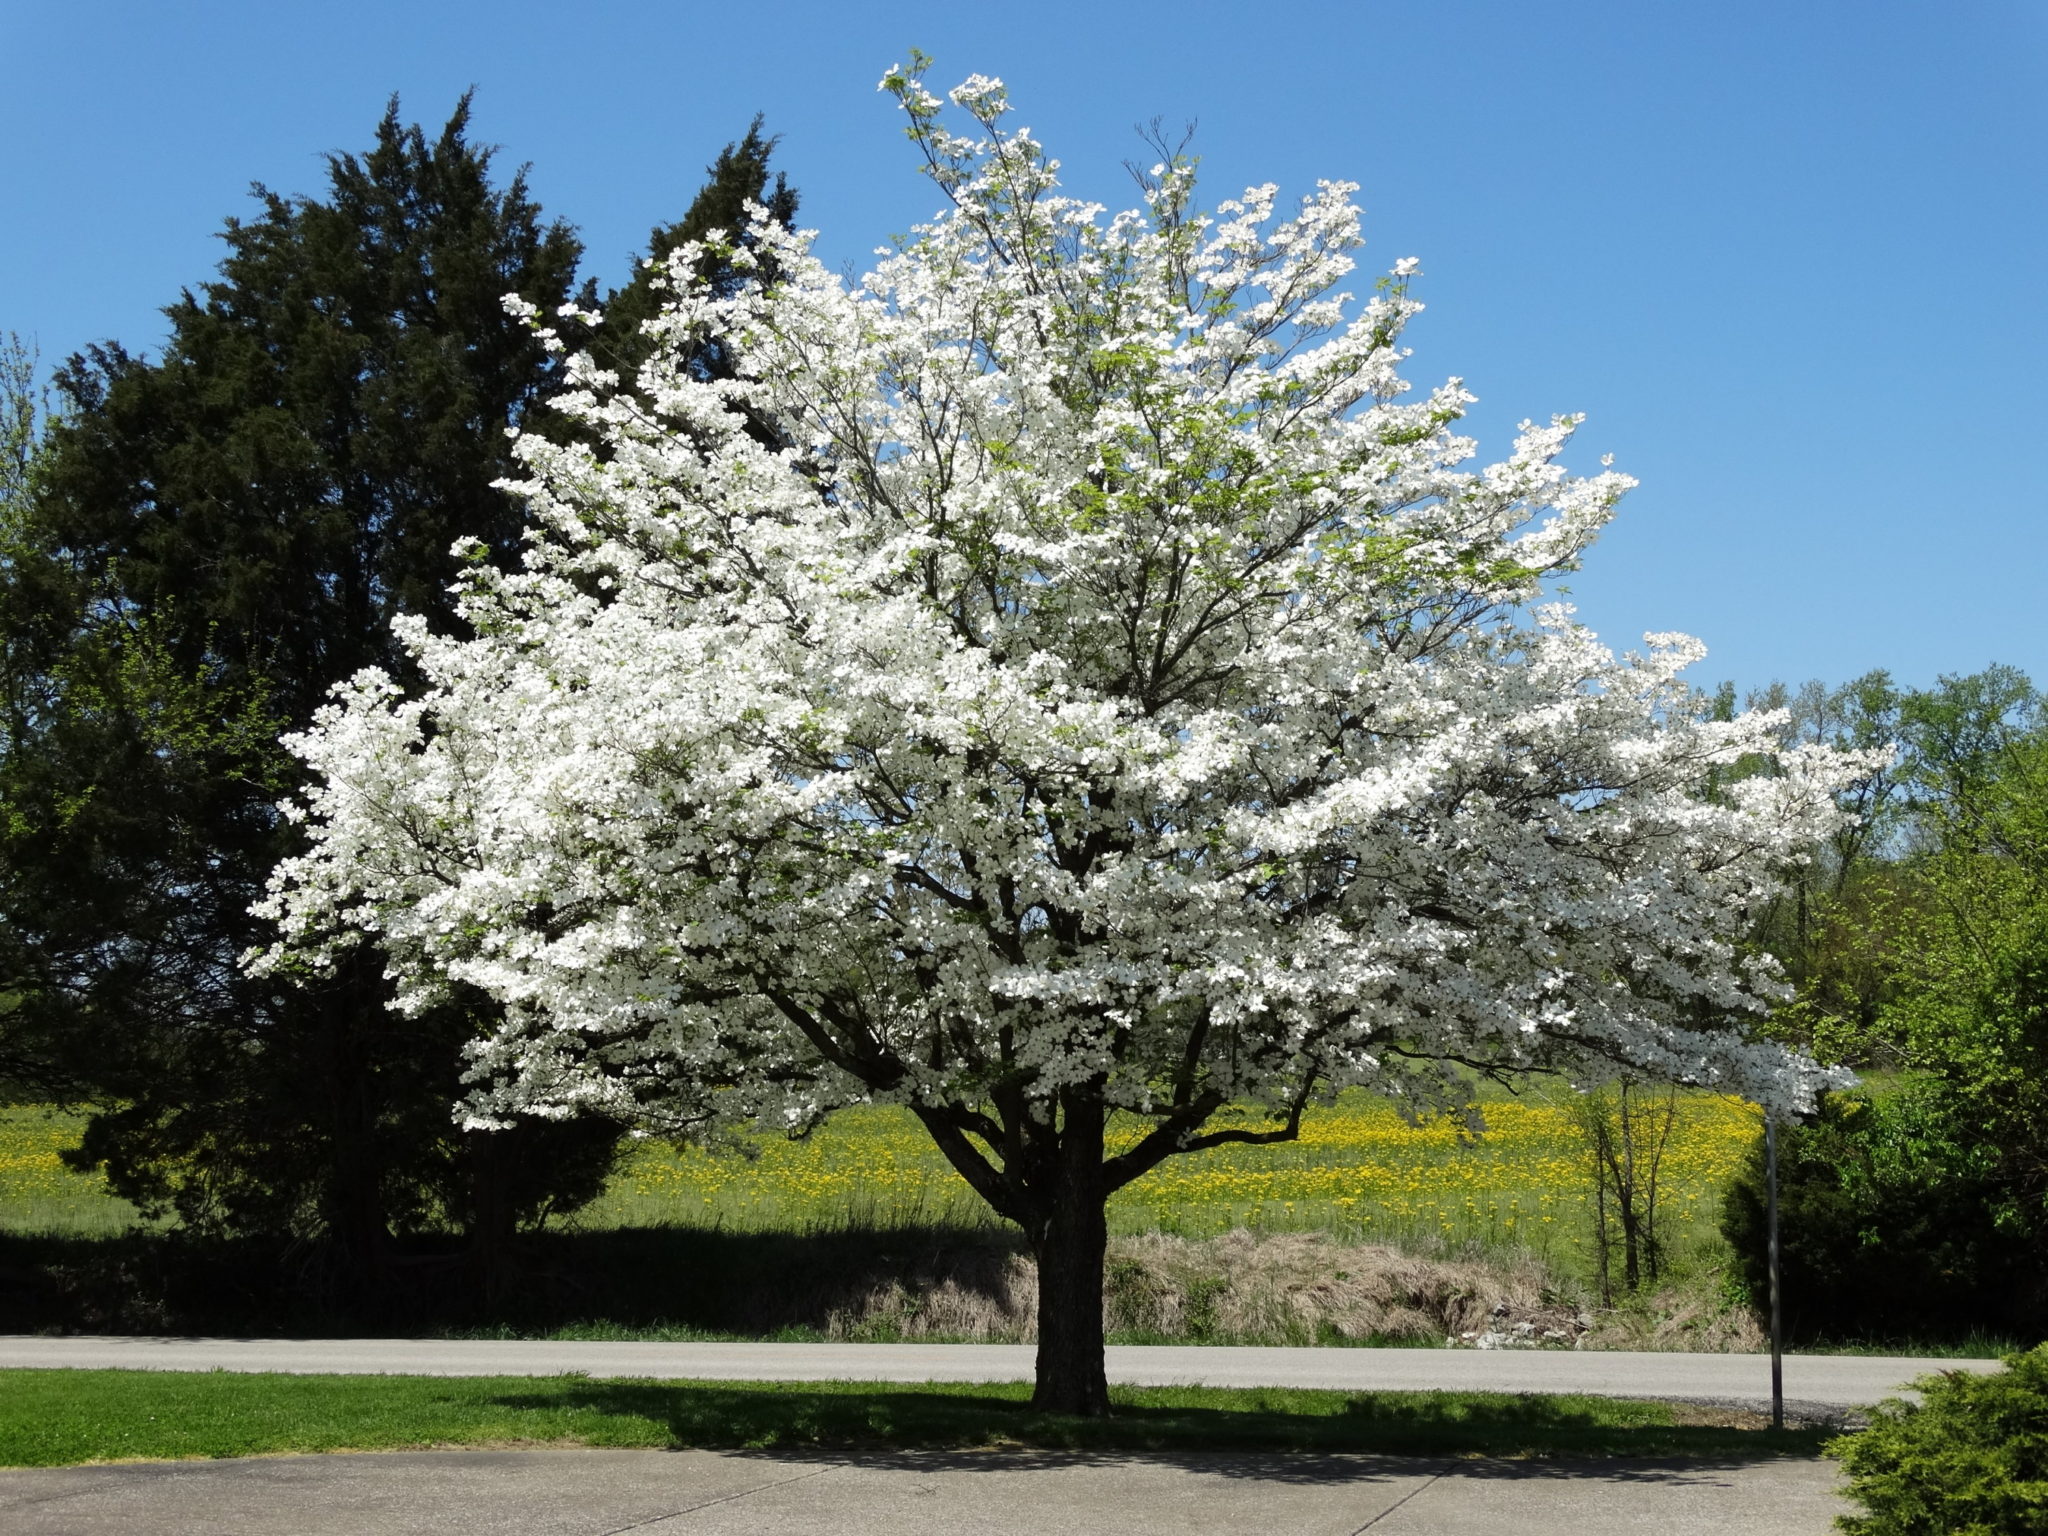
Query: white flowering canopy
1068, 657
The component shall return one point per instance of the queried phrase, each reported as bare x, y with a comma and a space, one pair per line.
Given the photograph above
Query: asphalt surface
1816, 1381
705, 1493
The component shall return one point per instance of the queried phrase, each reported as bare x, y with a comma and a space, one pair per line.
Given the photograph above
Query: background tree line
1915, 1206
193, 547
1918, 1203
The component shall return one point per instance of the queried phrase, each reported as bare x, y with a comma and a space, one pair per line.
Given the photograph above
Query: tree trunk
491, 1224
1631, 1244
1069, 1245
1603, 1230
353, 1198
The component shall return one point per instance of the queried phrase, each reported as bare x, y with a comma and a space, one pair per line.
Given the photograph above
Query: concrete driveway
707, 1493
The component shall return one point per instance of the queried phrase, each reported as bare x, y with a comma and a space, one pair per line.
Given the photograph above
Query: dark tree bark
1069, 1243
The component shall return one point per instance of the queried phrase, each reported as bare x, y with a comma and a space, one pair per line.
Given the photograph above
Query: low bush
1890, 1227
1970, 1460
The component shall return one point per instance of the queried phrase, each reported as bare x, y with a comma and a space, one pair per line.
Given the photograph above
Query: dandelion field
38, 1193
1359, 1172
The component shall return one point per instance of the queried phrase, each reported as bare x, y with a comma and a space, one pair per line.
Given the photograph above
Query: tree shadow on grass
991, 1427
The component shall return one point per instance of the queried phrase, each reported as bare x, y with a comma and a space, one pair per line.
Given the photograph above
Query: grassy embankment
55, 1418
1368, 1230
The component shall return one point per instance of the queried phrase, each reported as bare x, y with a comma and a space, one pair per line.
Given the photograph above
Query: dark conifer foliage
207, 541
233, 527
738, 176
327, 419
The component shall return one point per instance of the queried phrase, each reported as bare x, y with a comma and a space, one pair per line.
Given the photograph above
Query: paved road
704, 1493
1838, 1381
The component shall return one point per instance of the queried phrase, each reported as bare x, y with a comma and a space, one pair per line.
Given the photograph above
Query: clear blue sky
1788, 258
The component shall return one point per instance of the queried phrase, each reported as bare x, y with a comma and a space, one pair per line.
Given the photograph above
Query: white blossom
1069, 656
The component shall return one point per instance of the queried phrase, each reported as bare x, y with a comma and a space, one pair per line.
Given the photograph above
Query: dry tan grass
1300, 1286
967, 1292
1691, 1316
1240, 1288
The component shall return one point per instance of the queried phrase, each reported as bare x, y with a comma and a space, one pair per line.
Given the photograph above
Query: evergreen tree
211, 540
738, 176
327, 419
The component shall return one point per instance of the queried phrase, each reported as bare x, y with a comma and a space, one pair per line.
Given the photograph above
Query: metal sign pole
1777, 1330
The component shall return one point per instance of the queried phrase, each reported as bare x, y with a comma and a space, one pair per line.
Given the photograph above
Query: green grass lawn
62, 1418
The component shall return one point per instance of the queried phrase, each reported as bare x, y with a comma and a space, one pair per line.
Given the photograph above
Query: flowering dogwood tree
1066, 686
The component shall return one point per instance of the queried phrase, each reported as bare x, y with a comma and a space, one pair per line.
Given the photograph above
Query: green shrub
1971, 1460
1891, 1226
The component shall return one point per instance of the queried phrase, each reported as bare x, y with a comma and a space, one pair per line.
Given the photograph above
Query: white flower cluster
1067, 656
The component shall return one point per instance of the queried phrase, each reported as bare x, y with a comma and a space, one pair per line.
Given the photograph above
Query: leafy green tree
21, 417
1887, 1226
1970, 1014
21, 414
104, 746
212, 539
208, 541
1923, 1208
1825, 927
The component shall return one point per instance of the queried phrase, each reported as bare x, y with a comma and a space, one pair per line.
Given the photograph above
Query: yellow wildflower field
1358, 1170
37, 1192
